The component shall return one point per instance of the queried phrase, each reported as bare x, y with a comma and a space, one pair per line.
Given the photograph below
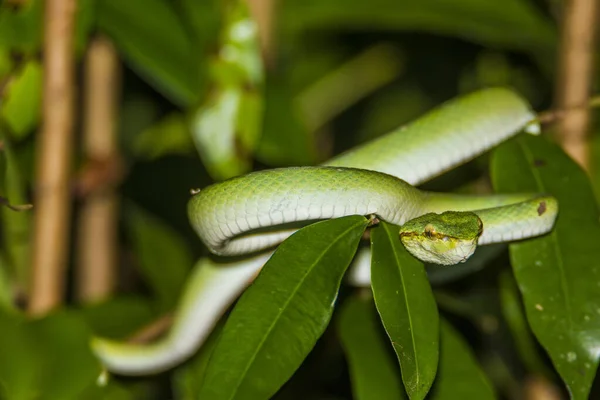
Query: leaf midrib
286, 304
410, 322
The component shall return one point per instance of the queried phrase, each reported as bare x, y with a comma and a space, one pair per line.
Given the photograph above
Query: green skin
447, 238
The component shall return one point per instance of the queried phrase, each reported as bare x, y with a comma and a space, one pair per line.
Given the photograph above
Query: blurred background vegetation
320, 77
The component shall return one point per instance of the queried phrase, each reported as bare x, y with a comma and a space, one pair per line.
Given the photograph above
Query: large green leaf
348, 83
558, 274
459, 375
164, 257
373, 373
278, 320
407, 308
203, 19
152, 39
64, 339
49, 359
514, 24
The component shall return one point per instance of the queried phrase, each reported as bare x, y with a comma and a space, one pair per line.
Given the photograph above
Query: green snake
254, 212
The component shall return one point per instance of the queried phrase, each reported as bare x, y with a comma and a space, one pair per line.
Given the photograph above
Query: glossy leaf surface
279, 318
558, 274
152, 38
407, 308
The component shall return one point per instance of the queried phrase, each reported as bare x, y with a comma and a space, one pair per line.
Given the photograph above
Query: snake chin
447, 239
443, 251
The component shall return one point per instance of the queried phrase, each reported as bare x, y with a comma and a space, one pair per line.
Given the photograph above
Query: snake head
448, 238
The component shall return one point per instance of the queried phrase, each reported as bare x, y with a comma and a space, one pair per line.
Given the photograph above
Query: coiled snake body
242, 215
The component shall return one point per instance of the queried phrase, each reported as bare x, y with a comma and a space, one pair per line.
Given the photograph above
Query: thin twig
554, 115
52, 217
98, 221
15, 207
575, 77
153, 330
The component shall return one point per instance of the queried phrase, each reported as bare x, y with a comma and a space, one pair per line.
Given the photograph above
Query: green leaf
514, 24
459, 375
21, 105
407, 308
47, 359
558, 274
227, 126
349, 83
215, 128
68, 366
164, 257
373, 373
204, 19
278, 320
513, 313
152, 39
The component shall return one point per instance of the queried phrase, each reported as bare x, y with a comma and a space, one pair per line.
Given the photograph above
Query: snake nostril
541, 208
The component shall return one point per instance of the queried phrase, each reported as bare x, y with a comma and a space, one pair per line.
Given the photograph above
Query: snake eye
429, 230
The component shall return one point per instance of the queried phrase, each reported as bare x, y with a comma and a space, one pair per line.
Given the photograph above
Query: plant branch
262, 11
575, 77
52, 197
153, 330
98, 221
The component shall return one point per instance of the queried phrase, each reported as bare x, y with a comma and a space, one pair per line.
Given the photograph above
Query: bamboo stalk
98, 219
262, 12
575, 77
52, 197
